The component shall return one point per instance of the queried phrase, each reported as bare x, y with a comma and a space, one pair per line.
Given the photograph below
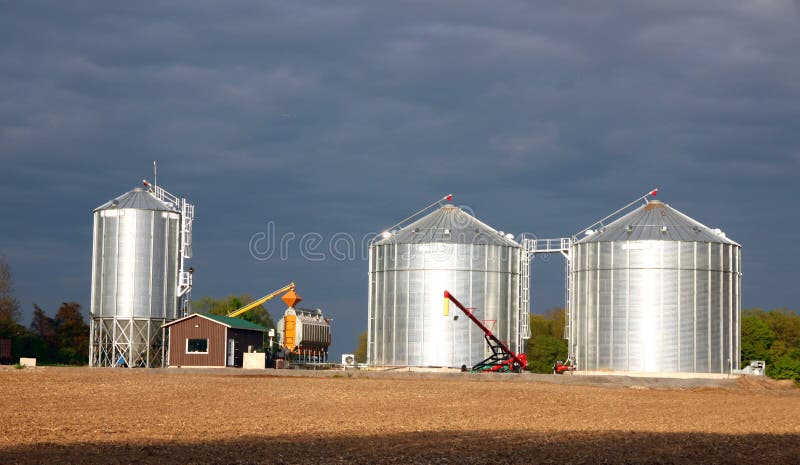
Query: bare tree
9, 306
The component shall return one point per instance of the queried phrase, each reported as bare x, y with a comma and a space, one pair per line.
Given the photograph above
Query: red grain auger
502, 358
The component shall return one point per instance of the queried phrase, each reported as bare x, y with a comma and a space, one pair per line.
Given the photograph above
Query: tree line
60, 339
772, 336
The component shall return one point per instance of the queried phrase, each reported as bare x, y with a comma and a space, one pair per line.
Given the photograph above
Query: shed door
231, 351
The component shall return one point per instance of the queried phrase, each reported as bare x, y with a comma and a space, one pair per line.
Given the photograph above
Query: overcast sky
327, 117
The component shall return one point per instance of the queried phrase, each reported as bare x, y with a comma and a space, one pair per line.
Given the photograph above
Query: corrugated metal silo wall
656, 306
407, 282
136, 264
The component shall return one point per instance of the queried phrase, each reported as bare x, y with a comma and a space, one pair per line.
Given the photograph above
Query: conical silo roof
448, 224
660, 222
138, 198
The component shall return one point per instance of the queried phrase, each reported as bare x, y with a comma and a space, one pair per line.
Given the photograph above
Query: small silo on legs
141, 240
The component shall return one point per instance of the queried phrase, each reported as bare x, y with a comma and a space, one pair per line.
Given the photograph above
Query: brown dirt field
81, 415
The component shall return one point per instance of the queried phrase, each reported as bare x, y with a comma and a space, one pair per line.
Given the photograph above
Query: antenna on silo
155, 173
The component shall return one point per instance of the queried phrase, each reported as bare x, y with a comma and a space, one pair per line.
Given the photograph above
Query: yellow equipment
239, 311
290, 331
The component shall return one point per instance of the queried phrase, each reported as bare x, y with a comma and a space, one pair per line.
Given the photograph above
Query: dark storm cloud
345, 117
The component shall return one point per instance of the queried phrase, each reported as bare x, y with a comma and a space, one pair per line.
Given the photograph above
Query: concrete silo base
659, 374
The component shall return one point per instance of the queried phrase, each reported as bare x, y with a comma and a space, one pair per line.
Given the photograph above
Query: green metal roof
237, 323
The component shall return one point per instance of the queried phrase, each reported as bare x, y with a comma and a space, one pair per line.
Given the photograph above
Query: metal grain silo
141, 239
655, 291
410, 269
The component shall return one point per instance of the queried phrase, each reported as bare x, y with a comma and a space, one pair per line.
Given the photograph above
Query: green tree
23, 342
64, 338
44, 328
786, 367
361, 348
547, 343
774, 337
785, 324
757, 337
259, 315
10, 329
72, 334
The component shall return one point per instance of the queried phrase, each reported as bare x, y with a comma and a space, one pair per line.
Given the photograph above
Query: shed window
197, 346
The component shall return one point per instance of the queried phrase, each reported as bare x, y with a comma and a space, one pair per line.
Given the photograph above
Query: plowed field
80, 415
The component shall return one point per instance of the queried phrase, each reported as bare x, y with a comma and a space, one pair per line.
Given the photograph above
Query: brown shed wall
206, 329
5, 350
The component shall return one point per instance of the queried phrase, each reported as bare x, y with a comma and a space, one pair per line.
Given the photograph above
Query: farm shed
211, 341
